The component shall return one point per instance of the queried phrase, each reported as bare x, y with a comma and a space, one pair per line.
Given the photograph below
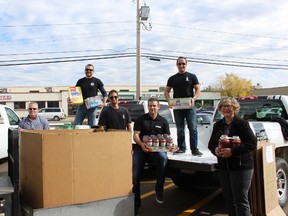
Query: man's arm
136, 138
129, 127
105, 96
197, 91
166, 92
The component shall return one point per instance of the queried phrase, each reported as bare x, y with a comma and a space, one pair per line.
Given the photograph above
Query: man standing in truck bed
185, 84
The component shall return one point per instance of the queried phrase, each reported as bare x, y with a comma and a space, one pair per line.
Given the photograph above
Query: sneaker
197, 153
179, 151
159, 198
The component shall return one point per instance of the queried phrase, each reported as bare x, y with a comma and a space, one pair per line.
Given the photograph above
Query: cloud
230, 32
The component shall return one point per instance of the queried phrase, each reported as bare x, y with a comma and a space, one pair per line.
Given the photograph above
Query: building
56, 96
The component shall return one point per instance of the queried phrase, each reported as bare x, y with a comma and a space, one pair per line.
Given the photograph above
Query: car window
259, 109
165, 112
135, 110
13, 118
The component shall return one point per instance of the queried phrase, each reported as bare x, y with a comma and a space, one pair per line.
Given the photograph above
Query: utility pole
138, 53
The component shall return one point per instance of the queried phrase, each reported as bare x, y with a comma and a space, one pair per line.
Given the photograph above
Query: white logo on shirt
187, 79
92, 84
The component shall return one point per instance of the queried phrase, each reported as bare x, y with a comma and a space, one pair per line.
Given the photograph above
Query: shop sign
5, 97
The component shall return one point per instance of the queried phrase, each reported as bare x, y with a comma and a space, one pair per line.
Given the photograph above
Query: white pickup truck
268, 118
8, 118
187, 170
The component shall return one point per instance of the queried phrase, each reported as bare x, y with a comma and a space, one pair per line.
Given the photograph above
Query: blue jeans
191, 119
82, 112
160, 159
235, 186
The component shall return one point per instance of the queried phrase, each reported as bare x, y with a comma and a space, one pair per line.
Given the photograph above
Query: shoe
159, 198
197, 153
179, 151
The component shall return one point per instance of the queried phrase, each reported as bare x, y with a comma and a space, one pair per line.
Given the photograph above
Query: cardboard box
64, 167
181, 103
93, 102
75, 94
263, 191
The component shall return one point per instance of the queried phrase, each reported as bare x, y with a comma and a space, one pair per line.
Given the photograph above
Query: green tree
232, 85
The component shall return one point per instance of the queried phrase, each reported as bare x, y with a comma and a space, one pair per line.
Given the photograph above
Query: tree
232, 85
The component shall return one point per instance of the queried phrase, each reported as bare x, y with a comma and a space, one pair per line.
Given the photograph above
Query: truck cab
8, 118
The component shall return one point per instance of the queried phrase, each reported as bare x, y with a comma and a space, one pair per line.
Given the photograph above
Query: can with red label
224, 142
235, 141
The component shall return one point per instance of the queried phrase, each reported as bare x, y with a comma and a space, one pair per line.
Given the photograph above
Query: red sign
5, 97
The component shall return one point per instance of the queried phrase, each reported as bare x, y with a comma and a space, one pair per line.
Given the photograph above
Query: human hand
145, 148
101, 105
69, 101
224, 153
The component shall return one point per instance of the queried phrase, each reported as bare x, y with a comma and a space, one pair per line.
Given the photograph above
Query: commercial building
56, 96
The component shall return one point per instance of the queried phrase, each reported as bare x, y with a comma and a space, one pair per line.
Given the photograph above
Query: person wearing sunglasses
33, 121
115, 117
89, 86
185, 84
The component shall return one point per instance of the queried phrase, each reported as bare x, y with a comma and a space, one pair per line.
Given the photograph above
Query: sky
48, 43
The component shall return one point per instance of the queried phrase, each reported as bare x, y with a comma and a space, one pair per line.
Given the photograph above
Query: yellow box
75, 94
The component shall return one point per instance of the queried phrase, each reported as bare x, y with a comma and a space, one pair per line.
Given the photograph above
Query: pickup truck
263, 114
8, 118
267, 116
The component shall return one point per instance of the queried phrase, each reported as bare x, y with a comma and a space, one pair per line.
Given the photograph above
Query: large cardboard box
64, 167
263, 192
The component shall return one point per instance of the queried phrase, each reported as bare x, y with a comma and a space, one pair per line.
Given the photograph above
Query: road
178, 202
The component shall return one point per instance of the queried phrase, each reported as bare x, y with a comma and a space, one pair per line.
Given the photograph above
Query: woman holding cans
233, 142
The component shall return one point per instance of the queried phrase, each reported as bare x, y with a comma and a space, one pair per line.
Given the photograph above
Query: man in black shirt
89, 87
185, 84
115, 116
150, 123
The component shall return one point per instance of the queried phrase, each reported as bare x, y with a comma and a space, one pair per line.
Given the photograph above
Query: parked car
52, 113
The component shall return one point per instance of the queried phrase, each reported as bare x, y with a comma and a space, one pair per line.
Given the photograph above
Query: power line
147, 55
62, 24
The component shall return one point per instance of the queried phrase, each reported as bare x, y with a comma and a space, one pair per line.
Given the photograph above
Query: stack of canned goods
159, 142
229, 142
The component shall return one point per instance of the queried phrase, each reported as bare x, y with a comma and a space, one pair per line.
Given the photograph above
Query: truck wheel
282, 181
56, 118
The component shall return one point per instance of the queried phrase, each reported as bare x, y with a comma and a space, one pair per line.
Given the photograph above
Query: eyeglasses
181, 64
32, 108
115, 97
87, 69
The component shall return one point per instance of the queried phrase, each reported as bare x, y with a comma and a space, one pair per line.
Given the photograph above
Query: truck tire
56, 118
282, 181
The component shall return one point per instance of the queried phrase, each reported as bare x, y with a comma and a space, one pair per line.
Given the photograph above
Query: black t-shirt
89, 87
115, 118
148, 126
183, 84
